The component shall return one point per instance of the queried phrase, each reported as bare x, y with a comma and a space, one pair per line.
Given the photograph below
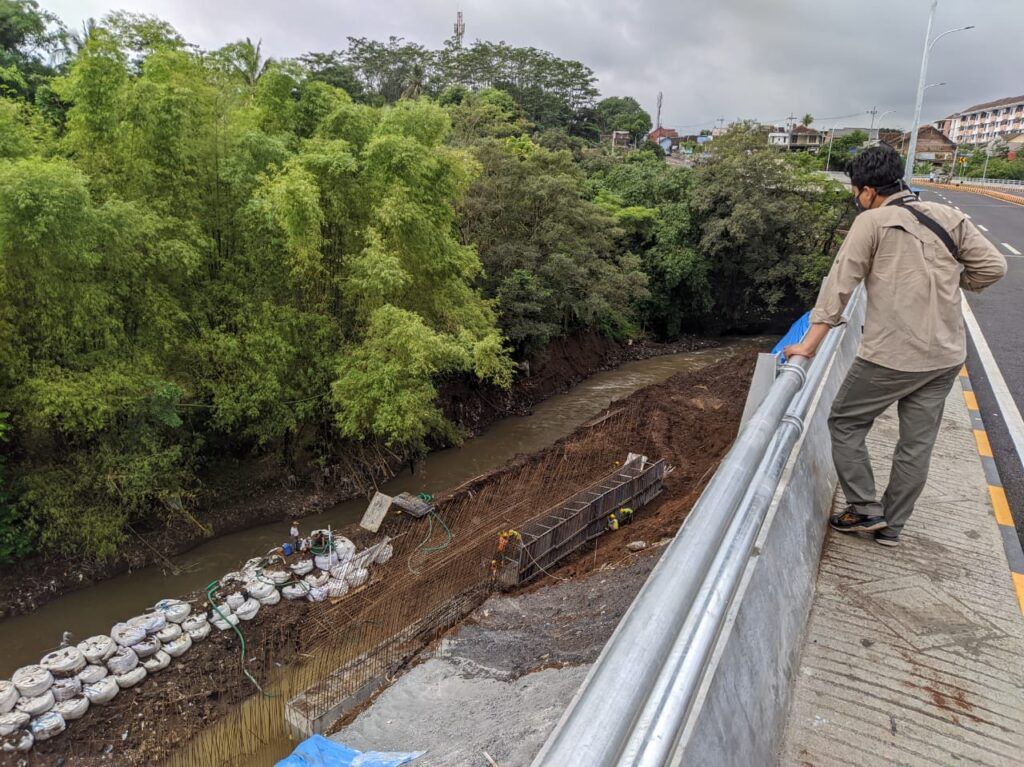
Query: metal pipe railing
638, 696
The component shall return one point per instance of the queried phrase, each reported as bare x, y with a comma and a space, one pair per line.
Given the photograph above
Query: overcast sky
763, 59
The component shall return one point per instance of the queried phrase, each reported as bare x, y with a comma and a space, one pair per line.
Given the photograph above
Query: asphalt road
1000, 312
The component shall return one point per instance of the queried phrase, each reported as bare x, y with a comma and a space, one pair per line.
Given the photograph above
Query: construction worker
625, 515
294, 533
613, 522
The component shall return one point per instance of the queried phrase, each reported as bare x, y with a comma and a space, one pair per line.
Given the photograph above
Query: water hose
211, 587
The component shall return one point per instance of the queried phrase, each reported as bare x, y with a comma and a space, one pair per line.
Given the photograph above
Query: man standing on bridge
913, 258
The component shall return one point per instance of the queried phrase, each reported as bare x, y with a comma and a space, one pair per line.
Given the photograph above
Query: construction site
313, 666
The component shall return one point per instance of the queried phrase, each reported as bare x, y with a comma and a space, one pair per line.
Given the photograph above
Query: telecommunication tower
658, 122
460, 29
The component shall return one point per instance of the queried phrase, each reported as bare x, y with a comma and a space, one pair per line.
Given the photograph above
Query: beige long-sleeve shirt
913, 318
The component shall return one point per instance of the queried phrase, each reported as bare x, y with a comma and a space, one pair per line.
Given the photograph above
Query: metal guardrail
1012, 182
635, 703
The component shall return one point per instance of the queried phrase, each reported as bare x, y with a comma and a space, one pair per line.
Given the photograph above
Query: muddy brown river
95, 609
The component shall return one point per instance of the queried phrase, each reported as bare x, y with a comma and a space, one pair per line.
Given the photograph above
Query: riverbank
690, 420
240, 494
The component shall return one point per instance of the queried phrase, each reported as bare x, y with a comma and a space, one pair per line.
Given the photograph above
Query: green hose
211, 587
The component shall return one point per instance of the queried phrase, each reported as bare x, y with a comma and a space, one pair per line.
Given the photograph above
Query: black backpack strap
930, 223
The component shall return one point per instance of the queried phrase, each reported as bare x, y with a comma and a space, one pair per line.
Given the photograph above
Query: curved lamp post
928, 43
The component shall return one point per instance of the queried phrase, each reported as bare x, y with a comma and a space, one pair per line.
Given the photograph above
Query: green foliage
549, 253
617, 114
842, 150
209, 253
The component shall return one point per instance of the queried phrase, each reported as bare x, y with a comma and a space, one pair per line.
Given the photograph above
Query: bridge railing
638, 704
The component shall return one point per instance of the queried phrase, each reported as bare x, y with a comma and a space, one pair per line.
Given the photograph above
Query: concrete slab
913, 655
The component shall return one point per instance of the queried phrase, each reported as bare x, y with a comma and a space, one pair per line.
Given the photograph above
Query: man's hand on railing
801, 349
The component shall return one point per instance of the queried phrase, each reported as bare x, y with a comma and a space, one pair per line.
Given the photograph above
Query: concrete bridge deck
915, 655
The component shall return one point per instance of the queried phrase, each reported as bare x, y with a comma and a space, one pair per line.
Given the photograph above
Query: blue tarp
318, 751
794, 334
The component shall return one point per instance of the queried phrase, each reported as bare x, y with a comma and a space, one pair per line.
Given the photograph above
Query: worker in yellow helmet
613, 522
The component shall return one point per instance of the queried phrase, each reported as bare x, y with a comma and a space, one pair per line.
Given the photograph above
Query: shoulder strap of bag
937, 229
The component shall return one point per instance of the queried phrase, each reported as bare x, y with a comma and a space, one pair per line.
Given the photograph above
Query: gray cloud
731, 58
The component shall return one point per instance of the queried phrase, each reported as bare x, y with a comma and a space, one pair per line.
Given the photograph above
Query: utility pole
657, 123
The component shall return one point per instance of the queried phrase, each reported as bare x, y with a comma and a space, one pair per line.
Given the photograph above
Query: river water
93, 610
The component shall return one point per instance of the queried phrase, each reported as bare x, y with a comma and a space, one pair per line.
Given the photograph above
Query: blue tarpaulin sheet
318, 751
794, 334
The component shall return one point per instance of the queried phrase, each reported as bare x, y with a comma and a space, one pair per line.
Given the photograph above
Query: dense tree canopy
209, 252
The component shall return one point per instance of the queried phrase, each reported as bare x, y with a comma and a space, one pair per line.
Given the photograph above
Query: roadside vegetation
210, 252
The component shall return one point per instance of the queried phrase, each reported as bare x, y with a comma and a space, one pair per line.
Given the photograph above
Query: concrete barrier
741, 710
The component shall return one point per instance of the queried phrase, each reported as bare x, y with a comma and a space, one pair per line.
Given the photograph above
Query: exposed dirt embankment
690, 421
241, 493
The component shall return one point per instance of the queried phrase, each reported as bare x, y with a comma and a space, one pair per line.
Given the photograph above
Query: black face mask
857, 203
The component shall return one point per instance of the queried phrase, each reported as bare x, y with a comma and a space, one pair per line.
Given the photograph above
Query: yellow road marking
984, 448
1000, 505
963, 372
1018, 585
972, 401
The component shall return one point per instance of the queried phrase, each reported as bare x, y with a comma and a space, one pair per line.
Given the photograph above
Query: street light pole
908, 171
928, 44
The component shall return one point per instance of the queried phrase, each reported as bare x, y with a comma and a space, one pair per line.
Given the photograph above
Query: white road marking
1011, 415
1010, 248
982, 228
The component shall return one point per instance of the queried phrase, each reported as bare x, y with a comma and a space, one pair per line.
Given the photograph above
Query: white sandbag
248, 609
357, 577
277, 577
8, 696
259, 589
317, 594
232, 578
151, 622
253, 564
337, 587
101, 692
123, 661
92, 673
224, 625
20, 740
317, 579
344, 548
98, 648
32, 681
200, 632
295, 590
66, 689
37, 705
47, 725
132, 678
126, 635
224, 610
148, 646
157, 662
174, 610
339, 571
194, 622
235, 600
302, 567
271, 599
179, 646
13, 721
326, 561
385, 553
67, 661
72, 709
169, 633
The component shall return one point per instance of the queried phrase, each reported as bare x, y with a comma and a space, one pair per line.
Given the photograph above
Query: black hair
879, 167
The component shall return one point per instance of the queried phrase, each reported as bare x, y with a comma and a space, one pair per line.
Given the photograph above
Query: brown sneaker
852, 522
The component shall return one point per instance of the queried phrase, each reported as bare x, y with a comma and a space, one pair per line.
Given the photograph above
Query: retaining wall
740, 714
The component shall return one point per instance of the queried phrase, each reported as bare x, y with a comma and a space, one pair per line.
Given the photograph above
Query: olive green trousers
867, 392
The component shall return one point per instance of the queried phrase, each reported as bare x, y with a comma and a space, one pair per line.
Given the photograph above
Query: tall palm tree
414, 83
808, 119
247, 60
